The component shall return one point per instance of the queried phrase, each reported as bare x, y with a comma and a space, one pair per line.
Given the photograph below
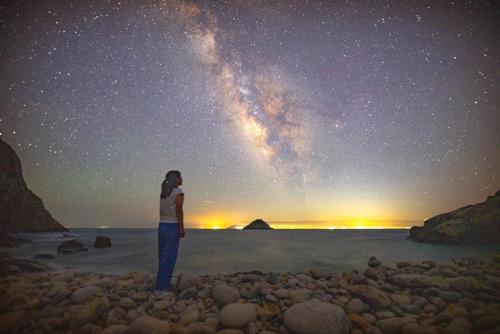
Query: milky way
314, 113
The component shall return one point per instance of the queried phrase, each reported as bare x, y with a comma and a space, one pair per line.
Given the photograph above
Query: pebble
390, 325
355, 305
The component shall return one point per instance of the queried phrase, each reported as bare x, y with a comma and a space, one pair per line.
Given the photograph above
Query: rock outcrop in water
477, 223
258, 224
20, 209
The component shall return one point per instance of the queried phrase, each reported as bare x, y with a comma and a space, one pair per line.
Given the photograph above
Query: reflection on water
225, 251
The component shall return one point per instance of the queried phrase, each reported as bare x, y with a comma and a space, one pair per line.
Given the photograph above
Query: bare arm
179, 200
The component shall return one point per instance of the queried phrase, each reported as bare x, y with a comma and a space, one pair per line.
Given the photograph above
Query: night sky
306, 114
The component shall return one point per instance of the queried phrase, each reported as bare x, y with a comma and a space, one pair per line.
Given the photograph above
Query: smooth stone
438, 302
410, 308
450, 296
89, 312
371, 295
272, 278
458, 326
224, 294
268, 311
200, 328
400, 299
187, 280
231, 331
430, 308
370, 318
150, 325
316, 273
360, 322
413, 328
83, 295
189, 317
355, 305
127, 303
237, 315
315, 317
384, 314
390, 325
411, 280
282, 293
116, 329
300, 296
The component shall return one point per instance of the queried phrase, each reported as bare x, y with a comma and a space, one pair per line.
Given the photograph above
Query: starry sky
306, 114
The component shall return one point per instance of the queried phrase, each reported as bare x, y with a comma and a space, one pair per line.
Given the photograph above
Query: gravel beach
462, 296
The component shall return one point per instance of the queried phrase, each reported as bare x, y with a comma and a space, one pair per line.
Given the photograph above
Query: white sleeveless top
168, 214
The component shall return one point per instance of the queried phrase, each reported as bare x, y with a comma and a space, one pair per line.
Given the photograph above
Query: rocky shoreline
456, 297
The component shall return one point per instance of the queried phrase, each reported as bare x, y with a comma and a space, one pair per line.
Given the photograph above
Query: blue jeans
168, 246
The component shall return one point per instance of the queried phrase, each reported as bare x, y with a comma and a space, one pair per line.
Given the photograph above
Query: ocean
228, 251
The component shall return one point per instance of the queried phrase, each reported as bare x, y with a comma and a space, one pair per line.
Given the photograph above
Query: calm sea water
226, 251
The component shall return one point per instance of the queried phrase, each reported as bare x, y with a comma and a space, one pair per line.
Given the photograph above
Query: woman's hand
182, 233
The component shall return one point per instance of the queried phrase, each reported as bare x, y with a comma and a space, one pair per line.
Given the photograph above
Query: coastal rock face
478, 223
21, 210
258, 224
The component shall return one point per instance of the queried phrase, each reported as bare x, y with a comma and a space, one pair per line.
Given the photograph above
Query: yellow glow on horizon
235, 220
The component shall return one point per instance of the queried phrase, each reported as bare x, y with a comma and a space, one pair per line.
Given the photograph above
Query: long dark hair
169, 183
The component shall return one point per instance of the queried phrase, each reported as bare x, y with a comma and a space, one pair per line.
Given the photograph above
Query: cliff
20, 209
477, 223
258, 224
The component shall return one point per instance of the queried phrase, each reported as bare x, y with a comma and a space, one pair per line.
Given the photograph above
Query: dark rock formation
10, 266
258, 224
71, 246
102, 242
7, 240
20, 209
478, 223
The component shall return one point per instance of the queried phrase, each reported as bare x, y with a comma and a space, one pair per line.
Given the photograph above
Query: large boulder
102, 242
258, 224
315, 317
21, 210
478, 223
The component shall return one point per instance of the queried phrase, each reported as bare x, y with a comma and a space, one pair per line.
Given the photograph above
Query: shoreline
425, 297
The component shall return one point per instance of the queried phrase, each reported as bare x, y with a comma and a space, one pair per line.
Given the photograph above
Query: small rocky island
258, 224
476, 223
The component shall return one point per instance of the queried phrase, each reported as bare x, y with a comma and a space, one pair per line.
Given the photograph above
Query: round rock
315, 317
83, 295
225, 294
237, 315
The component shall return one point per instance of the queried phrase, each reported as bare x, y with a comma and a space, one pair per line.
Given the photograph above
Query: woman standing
170, 228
